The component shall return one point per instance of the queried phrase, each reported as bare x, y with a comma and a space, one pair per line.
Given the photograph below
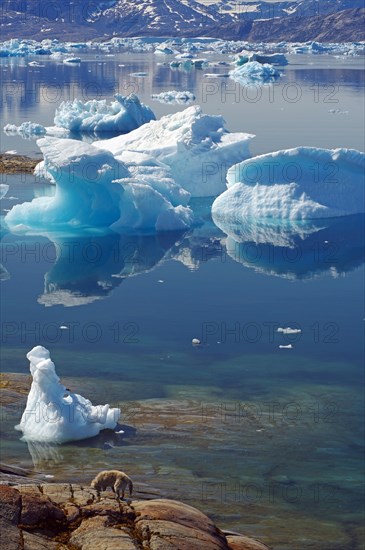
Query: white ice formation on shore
54, 414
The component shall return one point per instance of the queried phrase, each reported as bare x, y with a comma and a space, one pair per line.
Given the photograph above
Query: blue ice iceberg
96, 116
253, 71
94, 189
294, 184
140, 180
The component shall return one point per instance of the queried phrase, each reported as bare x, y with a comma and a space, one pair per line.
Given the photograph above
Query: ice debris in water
173, 96
26, 129
253, 71
4, 188
55, 414
294, 184
247, 57
120, 116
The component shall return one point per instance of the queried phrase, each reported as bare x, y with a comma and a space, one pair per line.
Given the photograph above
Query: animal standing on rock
115, 479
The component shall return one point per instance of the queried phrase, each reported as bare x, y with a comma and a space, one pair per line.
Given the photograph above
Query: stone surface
11, 502
38, 509
9, 536
96, 534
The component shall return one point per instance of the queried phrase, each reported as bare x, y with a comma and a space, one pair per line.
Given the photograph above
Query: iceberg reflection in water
297, 250
88, 268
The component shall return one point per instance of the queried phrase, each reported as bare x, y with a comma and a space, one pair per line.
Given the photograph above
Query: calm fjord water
267, 440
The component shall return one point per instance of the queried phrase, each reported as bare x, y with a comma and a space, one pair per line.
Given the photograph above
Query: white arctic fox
115, 479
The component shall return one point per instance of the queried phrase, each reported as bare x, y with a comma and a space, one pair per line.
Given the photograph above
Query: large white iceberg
96, 116
196, 147
141, 180
294, 184
55, 414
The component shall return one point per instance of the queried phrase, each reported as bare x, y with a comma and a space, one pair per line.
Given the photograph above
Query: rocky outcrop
60, 516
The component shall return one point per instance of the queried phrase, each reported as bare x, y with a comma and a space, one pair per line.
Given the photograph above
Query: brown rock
95, 534
36, 542
177, 512
38, 509
10, 504
240, 542
168, 535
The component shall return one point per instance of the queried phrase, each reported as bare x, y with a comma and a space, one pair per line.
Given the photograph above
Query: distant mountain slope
80, 20
343, 26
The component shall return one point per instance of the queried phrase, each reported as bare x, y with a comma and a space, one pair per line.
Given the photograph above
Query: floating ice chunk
4, 188
247, 57
54, 414
35, 64
121, 116
174, 96
11, 152
253, 71
294, 184
288, 346
26, 129
289, 330
72, 60
164, 50
197, 148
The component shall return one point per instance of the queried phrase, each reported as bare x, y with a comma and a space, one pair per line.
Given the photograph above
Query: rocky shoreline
58, 516
17, 164
36, 514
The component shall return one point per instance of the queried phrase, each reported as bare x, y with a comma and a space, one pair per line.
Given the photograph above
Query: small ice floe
288, 346
48, 476
35, 64
12, 198
173, 96
216, 75
289, 330
338, 112
120, 432
72, 60
11, 152
196, 342
63, 327
160, 281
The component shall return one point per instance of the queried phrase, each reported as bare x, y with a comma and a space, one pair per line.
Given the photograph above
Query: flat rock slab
95, 534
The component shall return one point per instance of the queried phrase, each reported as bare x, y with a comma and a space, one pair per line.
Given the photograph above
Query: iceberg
273, 58
96, 116
94, 189
253, 71
196, 147
26, 129
173, 96
294, 184
140, 180
54, 414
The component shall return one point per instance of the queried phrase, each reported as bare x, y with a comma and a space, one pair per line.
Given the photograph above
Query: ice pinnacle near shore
54, 414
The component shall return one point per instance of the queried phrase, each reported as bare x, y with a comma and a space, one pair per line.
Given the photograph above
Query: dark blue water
130, 306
